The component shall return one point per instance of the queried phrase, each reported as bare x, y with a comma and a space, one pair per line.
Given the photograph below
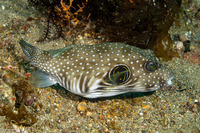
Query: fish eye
119, 74
150, 66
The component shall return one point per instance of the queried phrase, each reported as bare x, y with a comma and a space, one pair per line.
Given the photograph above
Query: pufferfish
100, 70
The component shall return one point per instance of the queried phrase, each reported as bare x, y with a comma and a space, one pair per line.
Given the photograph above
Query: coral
61, 15
66, 13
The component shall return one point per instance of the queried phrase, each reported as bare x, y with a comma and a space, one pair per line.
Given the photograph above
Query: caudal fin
28, 49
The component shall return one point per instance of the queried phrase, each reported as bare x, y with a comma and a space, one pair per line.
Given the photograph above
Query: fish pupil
152, 66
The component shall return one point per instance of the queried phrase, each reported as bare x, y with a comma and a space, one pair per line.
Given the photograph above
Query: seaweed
26, 106
23, 117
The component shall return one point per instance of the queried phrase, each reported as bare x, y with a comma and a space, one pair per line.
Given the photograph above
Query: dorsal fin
55, 52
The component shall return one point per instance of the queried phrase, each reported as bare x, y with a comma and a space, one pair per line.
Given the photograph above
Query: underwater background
170, 28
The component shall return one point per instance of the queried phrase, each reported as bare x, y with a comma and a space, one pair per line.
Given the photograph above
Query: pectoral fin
41, 79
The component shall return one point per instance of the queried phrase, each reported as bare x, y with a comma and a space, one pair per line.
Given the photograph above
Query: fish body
100, 70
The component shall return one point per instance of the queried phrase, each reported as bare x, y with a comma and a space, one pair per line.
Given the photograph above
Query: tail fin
28, 49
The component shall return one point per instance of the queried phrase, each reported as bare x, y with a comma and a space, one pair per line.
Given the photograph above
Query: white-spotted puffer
99, 70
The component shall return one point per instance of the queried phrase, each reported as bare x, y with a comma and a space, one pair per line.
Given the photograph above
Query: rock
82, 106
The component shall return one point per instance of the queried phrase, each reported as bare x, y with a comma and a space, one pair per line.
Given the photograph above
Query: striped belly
80, 84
